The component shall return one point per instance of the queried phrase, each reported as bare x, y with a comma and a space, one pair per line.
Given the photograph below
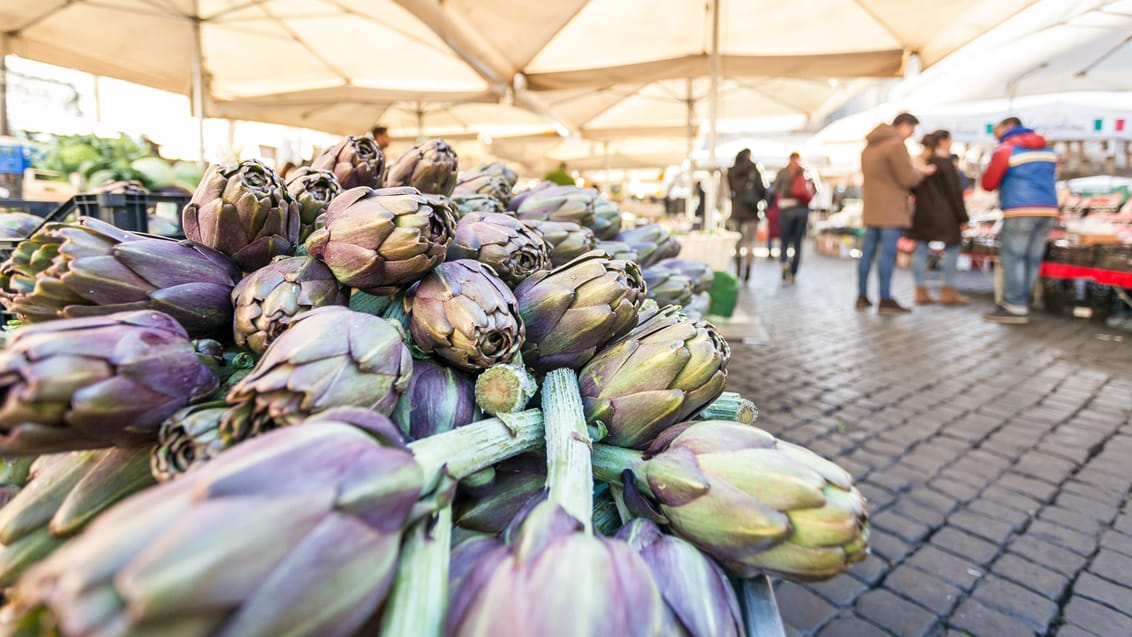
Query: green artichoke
355, 160
381, 240
699, 273
652, 243
607, 220
95, 382
567, 241
558, 203
438, 399
430, 168
66, 491
314, 190
467, 204
667, 287
464, 314
572, 311
661, 373
329, 357
512, 249
496, 186
187, 439
295, 533
18, 225
617, 250
267, 300
497, 168
788, 511
91, 268
700, 599
611, 591
245, 212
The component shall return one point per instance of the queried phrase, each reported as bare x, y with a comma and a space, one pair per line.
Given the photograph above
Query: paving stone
877, 496
1070, 630
1043, 466
801, 608
1113, 566
966, 545
898, 615
851, 627
1088, 506
1112, 539
1097, 618
1104, 591
954, 569
1049, 555
1028, 486
1037, 611
1012, 499
917, 512
927, 590
1028, 573
997, 511
1100, 493
841, 591
1061, 535
905, 528
981, 525
931, 498
977, 619
888, 546
871, 571
957, 489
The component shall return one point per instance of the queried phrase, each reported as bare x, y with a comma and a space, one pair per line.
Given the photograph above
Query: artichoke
245, 212
652, 243
92, 268
267, 300
497, 168
512, 249
467, 204
661, 373
66, 491
518, 198
558, 203
516, 483
700, 273
668, 287
187, 439
617, 250
438, 399
319, 511
464, 314
607, 220
612, 591
430, 168
699, 306
329, 357
314, 190
788, 511
380, 240
18, 225
496, 186
95, 382
355, 161
567, 241
572, 311
699, 597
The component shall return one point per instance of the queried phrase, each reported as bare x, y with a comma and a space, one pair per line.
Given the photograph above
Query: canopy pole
711, 214
689, 164
4, 84
198, 83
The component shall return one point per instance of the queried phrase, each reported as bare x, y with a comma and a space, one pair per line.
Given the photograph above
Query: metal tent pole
711, 213
198, 82
689, 164
3, 84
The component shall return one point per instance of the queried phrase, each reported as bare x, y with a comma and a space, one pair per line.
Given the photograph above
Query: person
748, 194
381, 136
939, 215
560, 176
794, 189
888, 175
944, 137
701, 203
1024, 171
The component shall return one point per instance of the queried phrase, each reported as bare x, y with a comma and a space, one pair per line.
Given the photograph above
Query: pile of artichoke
317, 416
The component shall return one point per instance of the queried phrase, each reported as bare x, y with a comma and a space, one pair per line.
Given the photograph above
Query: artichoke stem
609, 461
504, 388
569, 474
731, 406
419, 599
465, 450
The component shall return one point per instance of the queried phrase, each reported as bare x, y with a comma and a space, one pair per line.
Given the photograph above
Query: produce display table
1098, 275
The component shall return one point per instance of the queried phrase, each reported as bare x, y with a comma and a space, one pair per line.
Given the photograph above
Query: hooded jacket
1024, 170
889, 176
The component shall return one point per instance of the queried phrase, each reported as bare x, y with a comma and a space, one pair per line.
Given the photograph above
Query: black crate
1117, 258
1072, 254
127, 211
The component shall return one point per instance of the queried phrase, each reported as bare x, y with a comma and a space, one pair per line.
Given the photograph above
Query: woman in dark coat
747, 194
939, 216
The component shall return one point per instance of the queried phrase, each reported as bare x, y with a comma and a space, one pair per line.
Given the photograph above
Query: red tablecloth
1104, 277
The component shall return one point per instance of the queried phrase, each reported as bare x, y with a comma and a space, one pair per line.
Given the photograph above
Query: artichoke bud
430, 168
355, 161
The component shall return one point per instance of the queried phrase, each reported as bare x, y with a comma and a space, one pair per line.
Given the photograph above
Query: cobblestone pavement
997, 460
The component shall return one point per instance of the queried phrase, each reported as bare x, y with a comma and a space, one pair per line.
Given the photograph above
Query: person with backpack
795, 189
939, 215
748, 193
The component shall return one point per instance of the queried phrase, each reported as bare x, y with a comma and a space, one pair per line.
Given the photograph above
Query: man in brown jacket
889, 176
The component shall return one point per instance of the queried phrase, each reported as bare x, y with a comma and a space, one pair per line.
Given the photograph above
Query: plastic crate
127, 211
1072, 254
1117, 258
13, 160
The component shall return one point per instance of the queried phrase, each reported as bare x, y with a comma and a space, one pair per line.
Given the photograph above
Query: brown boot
923, 297
950, 296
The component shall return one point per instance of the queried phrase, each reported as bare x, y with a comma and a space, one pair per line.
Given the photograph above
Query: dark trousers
792, 225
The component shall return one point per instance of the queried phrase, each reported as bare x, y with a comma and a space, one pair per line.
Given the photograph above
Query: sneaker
1006, 317
863, 303
889, 307
785, 271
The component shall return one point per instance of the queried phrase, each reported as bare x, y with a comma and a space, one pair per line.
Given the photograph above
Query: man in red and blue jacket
1024, 171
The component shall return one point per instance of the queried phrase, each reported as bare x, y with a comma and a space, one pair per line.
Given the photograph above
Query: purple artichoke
430, 168
567, 241
558, 203
438, 399
267, 300
355, 161
512, 249
652, 243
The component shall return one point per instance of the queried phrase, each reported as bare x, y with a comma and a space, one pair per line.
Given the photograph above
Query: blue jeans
886, 239
1023, 246
920, 264
792, 223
